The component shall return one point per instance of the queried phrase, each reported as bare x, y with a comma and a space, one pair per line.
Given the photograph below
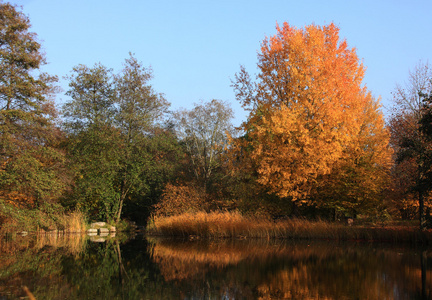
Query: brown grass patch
234, 225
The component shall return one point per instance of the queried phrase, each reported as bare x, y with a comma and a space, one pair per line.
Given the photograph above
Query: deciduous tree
359, 180
30, 162
112, 120
308, 108
203, 131
409, 140
419, 149
139, 108
93, 141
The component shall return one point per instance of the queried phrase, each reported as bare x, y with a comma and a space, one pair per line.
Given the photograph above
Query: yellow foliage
309, 111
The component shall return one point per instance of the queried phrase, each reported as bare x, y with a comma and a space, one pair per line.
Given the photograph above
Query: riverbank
52, 219
217, 225
25, 221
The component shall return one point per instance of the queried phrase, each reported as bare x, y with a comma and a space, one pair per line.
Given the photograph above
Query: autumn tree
30, 161
425, 128
308, 107
359, 181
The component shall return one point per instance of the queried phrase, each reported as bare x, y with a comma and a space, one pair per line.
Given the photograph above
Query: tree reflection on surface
301, 270
77, 268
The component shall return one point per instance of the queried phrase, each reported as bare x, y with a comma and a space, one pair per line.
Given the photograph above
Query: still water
75, 267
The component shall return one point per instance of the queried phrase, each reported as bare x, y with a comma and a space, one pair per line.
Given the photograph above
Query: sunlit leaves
309, 111
31, 163
111, 120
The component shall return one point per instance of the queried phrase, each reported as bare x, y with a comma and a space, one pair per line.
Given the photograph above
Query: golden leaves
311, 110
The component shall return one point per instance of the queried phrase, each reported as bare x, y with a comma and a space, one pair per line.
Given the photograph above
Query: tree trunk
119, 209
422, 216
123, 193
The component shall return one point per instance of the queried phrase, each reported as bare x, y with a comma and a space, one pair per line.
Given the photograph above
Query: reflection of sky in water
75, 268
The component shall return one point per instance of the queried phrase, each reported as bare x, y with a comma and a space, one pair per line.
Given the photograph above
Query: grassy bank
47, 219
233, 225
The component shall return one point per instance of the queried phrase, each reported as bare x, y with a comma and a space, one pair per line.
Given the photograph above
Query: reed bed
16, 220
215, 225
75, 222
66, 223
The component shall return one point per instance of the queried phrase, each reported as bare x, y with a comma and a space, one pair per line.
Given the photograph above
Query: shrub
179, 199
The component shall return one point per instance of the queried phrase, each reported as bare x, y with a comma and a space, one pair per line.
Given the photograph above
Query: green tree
93, 141
112, 121
139, 108
30, 162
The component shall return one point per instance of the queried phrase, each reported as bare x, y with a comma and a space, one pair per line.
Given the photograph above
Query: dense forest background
315, 143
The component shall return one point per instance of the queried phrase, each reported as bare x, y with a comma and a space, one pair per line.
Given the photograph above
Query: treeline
315, 143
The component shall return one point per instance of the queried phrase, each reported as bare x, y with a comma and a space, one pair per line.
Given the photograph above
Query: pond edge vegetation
233, 225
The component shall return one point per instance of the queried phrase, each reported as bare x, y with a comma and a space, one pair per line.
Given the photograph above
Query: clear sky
195, 47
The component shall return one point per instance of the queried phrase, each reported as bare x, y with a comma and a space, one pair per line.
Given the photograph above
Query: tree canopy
30, 162
309, 110
111, 120
204, 131
409, 142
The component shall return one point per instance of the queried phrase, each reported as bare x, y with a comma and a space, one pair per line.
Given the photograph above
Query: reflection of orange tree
300, 283
361, 277
287, 284
179, 262
183, 260
278, 269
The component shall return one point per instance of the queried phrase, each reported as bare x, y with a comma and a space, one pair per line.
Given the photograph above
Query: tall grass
49, 218
74, 222
234, 225
61, 223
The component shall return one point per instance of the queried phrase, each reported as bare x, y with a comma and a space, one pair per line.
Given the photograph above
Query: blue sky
195, 47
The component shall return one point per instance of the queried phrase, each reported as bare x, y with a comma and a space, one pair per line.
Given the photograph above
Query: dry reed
65, 224
234, 225
75, 222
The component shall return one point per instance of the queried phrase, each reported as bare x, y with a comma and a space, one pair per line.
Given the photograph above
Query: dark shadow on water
141, 268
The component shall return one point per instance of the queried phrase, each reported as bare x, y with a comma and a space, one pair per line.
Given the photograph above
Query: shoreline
232, 225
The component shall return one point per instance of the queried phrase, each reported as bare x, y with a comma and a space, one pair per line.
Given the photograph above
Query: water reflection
75, 267
300, 270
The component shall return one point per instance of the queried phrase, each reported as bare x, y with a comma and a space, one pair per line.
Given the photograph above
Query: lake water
76, 267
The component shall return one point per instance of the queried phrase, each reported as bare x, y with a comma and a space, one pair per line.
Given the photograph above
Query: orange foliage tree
309, 111
359, 180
